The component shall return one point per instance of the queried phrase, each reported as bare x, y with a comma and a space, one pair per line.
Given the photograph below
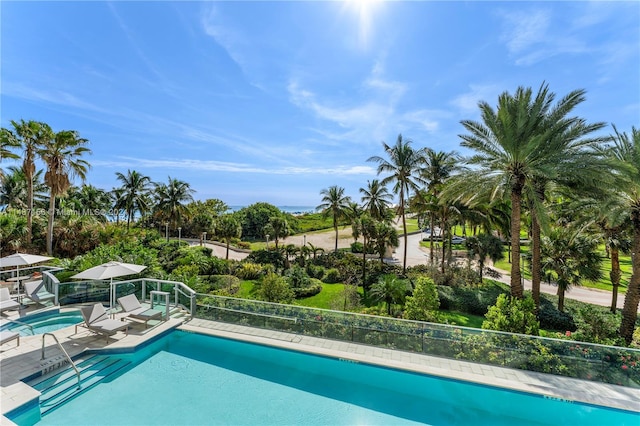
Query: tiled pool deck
17, 363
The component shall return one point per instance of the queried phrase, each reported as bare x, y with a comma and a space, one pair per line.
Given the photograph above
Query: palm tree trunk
364, 266
560, 298
535, 262
52, 212
227, 250
29, 170
516, 284
335, 227
630, 309
615, 278
431, 252
404, 229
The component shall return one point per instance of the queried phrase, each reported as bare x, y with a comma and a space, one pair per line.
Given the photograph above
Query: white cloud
524, 29
468, 102
230, 167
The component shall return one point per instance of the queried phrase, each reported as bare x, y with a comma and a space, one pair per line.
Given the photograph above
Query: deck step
50, 402
57, 388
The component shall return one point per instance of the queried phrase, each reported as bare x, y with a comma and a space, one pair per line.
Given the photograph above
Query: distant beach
294, 210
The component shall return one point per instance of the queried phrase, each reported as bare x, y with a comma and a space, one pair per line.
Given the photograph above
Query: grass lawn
462, 319
604, 283
330, 297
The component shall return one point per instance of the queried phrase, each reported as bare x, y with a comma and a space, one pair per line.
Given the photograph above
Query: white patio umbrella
110, 270
21, 259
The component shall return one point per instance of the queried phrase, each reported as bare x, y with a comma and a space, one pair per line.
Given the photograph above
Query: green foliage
297, 277
390, 289
313, 222
255, 218
424, 303
358, 247
512, 315
553, 319
263, 257
249, 271
484, 246
597, 325
331, 276
274, 288
315, 271
471, 299
313, 288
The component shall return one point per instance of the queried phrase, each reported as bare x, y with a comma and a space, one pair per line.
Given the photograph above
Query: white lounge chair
6, 302
7, 336
97, 320
35, 291
134, 310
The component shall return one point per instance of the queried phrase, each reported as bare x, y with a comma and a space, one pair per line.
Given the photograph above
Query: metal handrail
22, 323
65, 354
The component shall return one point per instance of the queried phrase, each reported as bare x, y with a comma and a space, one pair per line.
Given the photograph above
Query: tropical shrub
297, 277
274, 288
597, 325
470, 299
553, 319
358, 247
331, 276
263, 257
512, 315
314, 287
423, 304
315, 271
249, 271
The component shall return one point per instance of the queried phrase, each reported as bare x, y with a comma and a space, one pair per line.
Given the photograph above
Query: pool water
186, 378
44, 322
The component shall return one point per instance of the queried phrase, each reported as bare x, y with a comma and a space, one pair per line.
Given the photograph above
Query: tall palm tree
63, 157
278, 227
403, 167
228, 227
7, 143
90, 201
30, 136
438, 167
625, 156
135, 193
569, 257
376, 200
334, 204
172, 200
525, 140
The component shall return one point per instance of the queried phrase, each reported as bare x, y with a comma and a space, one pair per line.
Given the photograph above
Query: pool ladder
65, 354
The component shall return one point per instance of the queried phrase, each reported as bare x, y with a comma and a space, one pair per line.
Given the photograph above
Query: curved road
419, 256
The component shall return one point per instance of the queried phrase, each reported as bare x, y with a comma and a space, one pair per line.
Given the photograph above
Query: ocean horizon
285, 209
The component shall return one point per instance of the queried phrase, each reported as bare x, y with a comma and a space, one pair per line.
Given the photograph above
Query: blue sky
274, 101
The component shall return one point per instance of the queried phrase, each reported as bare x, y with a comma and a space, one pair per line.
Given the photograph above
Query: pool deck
19, 362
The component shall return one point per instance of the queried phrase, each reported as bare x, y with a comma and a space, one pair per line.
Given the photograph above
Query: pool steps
58, 388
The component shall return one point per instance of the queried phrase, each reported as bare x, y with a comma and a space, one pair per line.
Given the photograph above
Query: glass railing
69, 293
607, 364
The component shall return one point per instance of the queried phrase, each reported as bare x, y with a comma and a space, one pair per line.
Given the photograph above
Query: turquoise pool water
192, 379
44, 322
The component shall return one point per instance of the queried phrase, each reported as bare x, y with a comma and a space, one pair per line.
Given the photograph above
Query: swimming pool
187, 378
45, 322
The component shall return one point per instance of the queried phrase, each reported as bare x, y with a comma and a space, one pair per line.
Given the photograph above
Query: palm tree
278, 227
484, 246
438, 167
376, 200
62, 155
568, 257
334, 203
135, 193
13, 228
390, 289
171, 201
90, 201
31, 136
525, 141
227, 227
385, 236
403, 166
625, 158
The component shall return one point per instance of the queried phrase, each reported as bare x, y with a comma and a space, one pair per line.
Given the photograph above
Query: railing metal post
144, 290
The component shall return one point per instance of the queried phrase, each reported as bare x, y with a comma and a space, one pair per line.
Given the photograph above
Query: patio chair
6, 302
134, 310
7, 336
96, 319
35, 291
